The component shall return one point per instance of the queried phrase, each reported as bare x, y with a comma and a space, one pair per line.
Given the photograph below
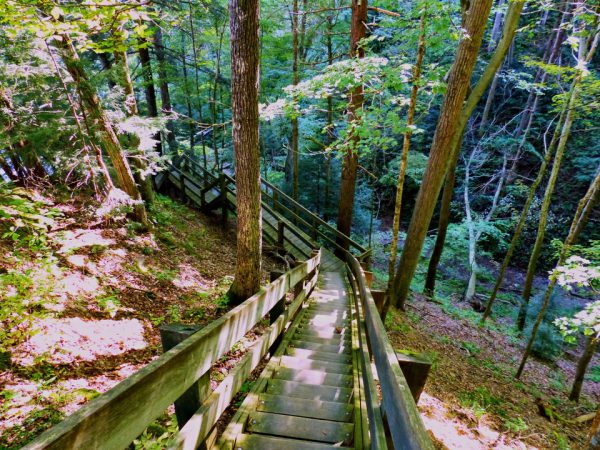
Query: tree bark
108, 135
163, 82
582, 365
410, 118
476, 16
138, 158
508, 32
579, 220
545, 208
244, 26
149, 91
350, 162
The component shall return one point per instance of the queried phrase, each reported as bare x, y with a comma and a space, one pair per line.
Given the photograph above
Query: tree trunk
350, 162
545, 208
508, 32
149, 91
524, 213
138, 158
244, 26
163, 82
476, 16
109, 138
295, 79
582, 365
405, 148
579, 220
188, 101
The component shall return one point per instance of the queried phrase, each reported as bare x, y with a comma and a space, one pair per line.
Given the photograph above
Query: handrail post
280, 233
223, 194
275, 312
275, 200
190, 400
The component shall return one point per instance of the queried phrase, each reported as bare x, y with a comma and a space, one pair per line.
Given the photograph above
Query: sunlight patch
71, 240
68, 340
189, 278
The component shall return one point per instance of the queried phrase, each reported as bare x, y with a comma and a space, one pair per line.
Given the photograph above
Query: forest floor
98, 293
472, 399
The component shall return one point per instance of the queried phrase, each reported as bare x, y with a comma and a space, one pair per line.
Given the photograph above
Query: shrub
548, 344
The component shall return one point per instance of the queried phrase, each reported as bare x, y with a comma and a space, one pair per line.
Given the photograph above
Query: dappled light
73, 339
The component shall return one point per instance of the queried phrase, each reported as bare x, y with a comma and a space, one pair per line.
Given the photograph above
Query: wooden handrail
115, 418
404, 420
363, 252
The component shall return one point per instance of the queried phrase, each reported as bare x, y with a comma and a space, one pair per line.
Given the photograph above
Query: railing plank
115, 418
403, 417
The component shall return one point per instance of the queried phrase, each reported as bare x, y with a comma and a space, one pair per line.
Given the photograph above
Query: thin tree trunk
476, 14
579, 220
524, 213
214, 91
138, 158
545, 208
163, 82
109, 137
508, 32
149, 91
295, 79
188, 101
244, 26
410, 119
582, 365
350, 162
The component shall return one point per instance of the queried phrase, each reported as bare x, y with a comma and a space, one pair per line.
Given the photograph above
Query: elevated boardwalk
317, 389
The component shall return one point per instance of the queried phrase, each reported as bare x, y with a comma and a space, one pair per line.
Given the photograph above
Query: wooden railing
115, 418
397, 406
279, 203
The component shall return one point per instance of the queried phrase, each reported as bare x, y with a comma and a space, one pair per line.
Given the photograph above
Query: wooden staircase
308, 395
318, 388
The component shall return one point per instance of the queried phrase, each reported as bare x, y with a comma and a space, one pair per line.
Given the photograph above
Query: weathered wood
415, 370
316, 409
301, 363
190, 401
308, 391
114, 419
328, 348
261, 442
317, 377
300, 427
405, 423
200, 424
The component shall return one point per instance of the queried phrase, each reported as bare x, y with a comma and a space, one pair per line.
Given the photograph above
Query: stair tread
264, 442
294, 362
300, 407
300, 427
308, 391
311, 376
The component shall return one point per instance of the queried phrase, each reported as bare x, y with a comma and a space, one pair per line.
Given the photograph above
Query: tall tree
358, 31
475, 14
163, 82
410, 119
508, 32
577, 224
108, 135
586, 50
138, 157
244, 27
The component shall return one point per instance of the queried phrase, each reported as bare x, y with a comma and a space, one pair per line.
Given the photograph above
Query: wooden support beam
190, 401
415, 369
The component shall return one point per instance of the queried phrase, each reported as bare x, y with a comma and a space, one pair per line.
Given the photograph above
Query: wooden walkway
317, 389
308, 395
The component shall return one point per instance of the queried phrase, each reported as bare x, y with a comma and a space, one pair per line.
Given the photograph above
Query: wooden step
308, 391
318, 377
300, 427
322, 320
323, 332
319, 356
263, 442
329, 348
316, 409
334, 339
293, 362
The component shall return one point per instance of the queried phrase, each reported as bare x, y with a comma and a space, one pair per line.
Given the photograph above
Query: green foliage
593, 374
481, 401
515, 425
548, 342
